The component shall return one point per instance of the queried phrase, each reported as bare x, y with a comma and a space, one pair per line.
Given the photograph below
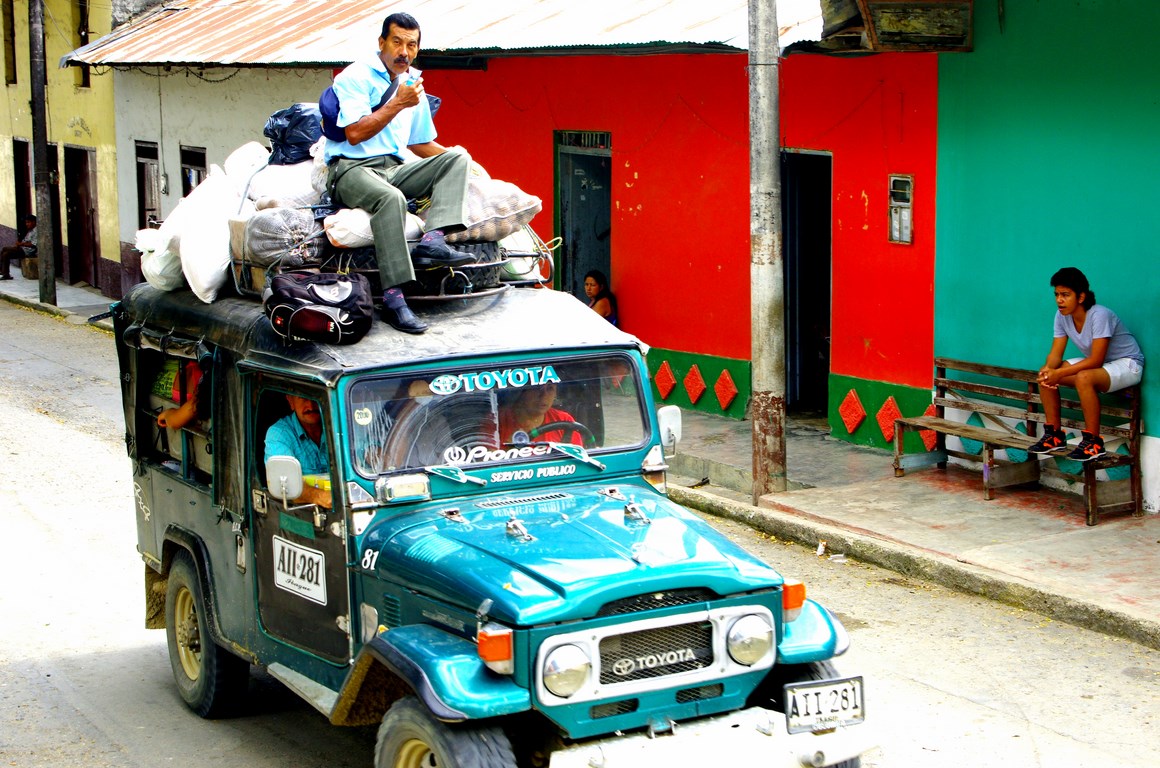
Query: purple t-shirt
1101, 323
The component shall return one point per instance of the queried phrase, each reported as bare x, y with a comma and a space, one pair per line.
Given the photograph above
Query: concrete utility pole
766, 275
45, 215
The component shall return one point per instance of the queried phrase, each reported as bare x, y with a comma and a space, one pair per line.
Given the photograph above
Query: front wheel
210, 679
411, 738
784, 674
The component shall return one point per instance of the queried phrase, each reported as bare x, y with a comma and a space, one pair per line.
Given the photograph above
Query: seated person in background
299, 434
183, 391
25, 247
522, 410
601, 300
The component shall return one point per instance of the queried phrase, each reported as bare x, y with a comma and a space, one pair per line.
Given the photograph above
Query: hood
567, 553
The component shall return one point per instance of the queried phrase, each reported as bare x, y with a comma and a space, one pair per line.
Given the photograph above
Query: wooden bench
1003, 397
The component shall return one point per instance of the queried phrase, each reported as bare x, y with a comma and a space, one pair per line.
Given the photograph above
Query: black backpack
326, 307
328, 107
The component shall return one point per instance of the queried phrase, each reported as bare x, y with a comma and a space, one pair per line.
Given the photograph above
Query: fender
816, 635
447, 674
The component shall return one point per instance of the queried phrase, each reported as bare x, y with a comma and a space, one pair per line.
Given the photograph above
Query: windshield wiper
453, 473
573, 451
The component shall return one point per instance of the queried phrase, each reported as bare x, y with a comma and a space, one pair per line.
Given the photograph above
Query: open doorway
584, 212
806, 211
81, 216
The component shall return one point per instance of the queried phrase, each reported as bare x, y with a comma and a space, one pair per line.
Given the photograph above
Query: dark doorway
22, 178
806, 196
584, 215
81, 216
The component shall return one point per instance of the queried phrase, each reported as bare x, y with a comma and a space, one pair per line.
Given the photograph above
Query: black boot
398, 315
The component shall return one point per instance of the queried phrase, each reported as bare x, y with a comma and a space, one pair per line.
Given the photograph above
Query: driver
525, 409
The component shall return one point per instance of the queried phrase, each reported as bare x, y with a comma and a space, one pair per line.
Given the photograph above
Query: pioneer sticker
482, 381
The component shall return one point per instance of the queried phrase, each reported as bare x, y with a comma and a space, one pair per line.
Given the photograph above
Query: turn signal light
793, 597
495, 648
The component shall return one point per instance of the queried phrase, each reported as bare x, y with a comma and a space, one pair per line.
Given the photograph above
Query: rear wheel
411, 738
210, 679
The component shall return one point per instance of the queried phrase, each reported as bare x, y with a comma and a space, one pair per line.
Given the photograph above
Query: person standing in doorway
601, 300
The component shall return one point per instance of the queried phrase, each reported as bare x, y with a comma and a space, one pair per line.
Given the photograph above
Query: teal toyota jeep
479, 552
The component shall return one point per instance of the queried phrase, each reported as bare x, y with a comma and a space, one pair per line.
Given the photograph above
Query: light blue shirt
1100, 323
285, 437
359, 88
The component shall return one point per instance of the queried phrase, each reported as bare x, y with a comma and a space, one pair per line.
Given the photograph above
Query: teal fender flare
447, 674
816, 635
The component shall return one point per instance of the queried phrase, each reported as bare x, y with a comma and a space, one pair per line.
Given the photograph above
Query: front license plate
300, 570
825, 704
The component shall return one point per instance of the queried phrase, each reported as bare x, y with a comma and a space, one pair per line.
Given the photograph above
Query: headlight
566, 669
750, 639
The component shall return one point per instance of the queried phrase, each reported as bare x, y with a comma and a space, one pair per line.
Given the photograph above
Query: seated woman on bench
1112, 361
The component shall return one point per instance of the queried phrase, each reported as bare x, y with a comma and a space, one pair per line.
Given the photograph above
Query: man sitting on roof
366, 170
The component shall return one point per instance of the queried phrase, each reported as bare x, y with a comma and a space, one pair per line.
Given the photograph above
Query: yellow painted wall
76, 116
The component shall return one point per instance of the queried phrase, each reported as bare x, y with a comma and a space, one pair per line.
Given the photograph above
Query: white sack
288, 185
161, 269
351, 228
495, 209
204, 235
244, 162
319, 171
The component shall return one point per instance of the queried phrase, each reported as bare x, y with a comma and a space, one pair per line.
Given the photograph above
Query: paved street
951, 679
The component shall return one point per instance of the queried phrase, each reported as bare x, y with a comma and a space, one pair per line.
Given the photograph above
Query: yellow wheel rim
187, 633
415, 754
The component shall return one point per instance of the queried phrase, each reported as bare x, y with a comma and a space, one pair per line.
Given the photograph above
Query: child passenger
1112, 360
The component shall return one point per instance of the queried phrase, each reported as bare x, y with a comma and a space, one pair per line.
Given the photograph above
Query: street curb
50, 309
37, 305
787, 523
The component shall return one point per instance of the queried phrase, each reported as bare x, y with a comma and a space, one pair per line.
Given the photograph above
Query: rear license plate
300, 570
825, 704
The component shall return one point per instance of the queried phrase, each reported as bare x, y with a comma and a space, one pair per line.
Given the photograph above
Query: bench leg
899, 432
1091, 500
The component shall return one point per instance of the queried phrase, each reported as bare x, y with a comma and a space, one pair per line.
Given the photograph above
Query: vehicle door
299, 548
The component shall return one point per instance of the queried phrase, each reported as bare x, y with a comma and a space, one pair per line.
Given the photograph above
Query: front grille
614, 708
656, 652
700, 693
655, 600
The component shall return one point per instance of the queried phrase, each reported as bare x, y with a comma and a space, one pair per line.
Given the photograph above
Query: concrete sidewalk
1028, 548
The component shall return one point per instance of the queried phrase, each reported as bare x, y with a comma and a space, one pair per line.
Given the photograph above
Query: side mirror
669, 421
284, 477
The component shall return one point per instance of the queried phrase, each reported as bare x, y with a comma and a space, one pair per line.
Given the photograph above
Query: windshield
481, 415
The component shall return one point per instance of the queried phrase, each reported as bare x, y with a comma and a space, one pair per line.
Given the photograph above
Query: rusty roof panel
334, 32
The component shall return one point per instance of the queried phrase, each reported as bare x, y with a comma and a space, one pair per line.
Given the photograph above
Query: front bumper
752, 736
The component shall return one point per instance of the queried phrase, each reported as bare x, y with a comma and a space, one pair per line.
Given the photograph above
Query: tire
798, 673
210, 679
410, 737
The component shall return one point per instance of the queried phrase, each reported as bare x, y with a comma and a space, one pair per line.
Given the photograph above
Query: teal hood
582, 549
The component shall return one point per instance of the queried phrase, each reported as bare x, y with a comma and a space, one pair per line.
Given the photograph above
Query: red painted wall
680, 178
680, 226
877, 115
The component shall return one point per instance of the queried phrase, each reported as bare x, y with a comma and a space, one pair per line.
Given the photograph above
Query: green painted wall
1049, 156
710, 367
873, 395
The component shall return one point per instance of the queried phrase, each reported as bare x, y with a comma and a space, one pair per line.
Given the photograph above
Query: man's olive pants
381, 186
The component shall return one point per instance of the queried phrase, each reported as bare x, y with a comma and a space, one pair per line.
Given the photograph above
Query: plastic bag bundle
292, 131
160, 267
288, 237
203, 239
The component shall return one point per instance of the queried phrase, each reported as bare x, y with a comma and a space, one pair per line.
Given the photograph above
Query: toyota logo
446, 385
623, 667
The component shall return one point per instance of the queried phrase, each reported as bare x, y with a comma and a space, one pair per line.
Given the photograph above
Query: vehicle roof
516, 320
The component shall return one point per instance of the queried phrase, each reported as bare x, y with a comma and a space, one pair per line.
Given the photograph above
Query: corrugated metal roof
334, 32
